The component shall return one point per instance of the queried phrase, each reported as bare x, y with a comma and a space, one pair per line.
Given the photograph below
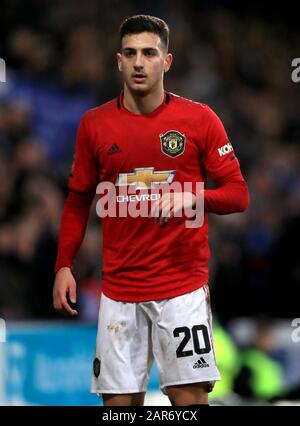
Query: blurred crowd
60, 58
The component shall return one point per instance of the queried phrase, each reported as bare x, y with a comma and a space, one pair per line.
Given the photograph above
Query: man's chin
139, 89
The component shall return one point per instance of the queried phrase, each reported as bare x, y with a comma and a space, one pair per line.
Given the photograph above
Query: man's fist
172, 204
64, 286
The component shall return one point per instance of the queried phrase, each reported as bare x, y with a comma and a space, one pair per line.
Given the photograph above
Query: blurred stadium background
236, 57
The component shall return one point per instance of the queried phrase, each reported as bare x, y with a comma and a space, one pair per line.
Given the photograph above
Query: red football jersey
143, 261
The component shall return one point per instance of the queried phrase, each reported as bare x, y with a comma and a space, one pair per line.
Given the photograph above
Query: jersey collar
162, 106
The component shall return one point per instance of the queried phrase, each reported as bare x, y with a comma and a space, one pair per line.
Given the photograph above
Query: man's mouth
139, 77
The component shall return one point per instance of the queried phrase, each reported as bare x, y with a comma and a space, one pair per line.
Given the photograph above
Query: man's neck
143, 104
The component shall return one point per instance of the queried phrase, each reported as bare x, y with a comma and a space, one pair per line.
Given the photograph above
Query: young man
155, 297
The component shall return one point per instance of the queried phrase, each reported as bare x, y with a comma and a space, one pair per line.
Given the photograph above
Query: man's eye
128, 54
149, 53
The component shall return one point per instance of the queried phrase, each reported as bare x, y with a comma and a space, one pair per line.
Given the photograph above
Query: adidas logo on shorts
201, 363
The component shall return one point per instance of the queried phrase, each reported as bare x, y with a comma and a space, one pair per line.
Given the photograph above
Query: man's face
143, 60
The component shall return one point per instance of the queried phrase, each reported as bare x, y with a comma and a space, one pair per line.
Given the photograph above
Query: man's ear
119, 57
168, 62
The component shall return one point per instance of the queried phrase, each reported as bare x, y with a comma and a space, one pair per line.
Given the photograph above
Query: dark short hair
145, 23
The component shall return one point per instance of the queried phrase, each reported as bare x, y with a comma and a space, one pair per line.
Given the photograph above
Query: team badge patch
172, 143
96, 367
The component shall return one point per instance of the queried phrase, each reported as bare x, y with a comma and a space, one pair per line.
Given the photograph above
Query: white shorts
177, 332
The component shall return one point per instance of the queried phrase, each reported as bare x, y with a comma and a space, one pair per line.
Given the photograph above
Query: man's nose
138, 63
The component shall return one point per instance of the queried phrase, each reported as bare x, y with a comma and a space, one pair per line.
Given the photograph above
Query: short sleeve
83, 177
219, 156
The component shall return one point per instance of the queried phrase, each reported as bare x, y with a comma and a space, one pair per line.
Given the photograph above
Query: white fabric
131, 334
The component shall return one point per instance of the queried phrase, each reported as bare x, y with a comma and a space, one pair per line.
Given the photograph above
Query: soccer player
155, 297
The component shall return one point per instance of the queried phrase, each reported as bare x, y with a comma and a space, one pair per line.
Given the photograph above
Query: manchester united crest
172, 143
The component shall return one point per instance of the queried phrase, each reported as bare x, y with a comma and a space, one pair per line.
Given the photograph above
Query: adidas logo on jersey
114, 149
225, 149
201, 363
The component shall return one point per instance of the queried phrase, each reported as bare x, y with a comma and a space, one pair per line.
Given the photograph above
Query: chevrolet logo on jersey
145, 177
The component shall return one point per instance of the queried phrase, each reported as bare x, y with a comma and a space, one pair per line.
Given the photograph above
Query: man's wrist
63, 268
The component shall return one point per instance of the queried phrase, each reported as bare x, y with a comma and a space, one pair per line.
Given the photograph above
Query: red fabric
141, 260
230, 196
73, 225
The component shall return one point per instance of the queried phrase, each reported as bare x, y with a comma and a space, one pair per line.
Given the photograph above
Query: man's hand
171, 204
64, 285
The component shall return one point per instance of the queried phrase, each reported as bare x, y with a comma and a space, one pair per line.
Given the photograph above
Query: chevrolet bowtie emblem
145, 177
